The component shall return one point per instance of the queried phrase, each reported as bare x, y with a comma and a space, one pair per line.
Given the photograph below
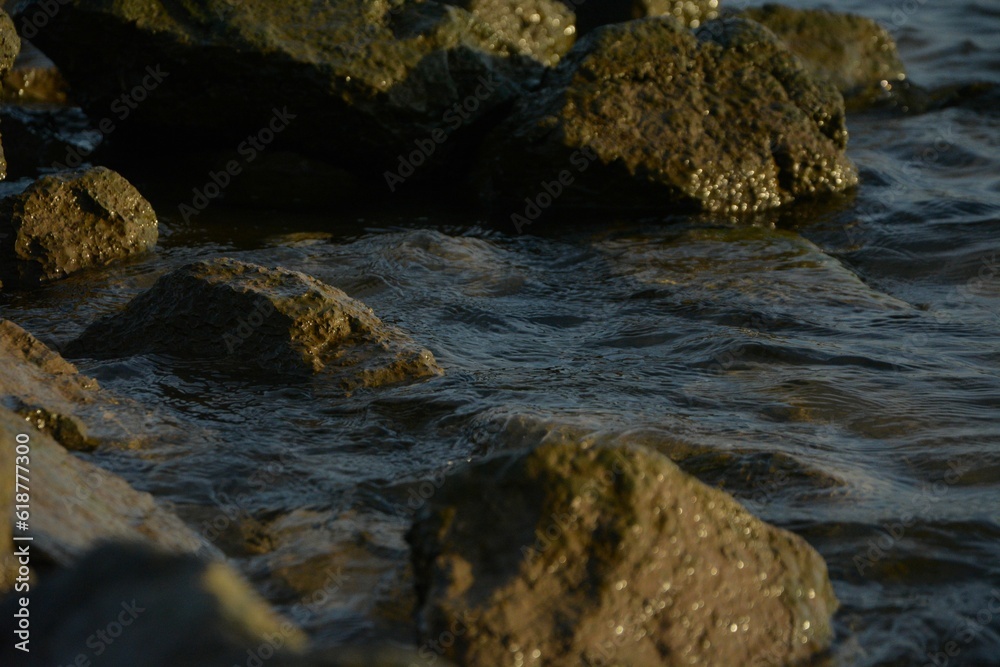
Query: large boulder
277, 320
70, 221
647, 115
591, 14
575, 555
854, 53
355, 81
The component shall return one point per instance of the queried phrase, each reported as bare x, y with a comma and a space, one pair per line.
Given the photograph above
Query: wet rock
649, 116
33, 78
52, 396
610, 556
854, 53
71, 221
123, 605
75, 504
594, 13
277, 320
47, 391
357, 81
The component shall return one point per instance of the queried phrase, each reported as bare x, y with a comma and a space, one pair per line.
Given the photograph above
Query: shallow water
835, 366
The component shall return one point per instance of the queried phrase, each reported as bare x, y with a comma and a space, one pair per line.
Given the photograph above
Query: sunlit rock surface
854, 53
569, 555
647, 115
71, 221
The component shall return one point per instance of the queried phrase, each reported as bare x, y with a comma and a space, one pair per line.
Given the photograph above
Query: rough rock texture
854, 53
150, 608
71, 221
279, 320
10, 44
591, 14
543, 30
75, 504
647, 116
364, 79
567, 555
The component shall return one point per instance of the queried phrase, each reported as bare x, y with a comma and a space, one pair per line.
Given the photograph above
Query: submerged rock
594, 13
70, 221
357, 82
854, 53
648, 116
277, 320
567, 555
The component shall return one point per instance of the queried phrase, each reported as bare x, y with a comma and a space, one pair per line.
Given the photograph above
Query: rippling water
836, 366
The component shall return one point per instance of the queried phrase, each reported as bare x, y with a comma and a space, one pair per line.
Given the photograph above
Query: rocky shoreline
560, 554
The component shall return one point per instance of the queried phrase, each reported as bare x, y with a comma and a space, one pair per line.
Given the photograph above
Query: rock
75, 504
595, 13
543, 30
854, 53
33, 78
610, 556
359, 82
278, 320
123, 605
646, 116
46, 390
10, 44
71, 221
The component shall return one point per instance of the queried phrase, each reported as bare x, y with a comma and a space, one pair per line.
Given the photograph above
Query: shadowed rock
277, 320
648, 116
71, 221
610, 556
854, 53
363, 80
125, 605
